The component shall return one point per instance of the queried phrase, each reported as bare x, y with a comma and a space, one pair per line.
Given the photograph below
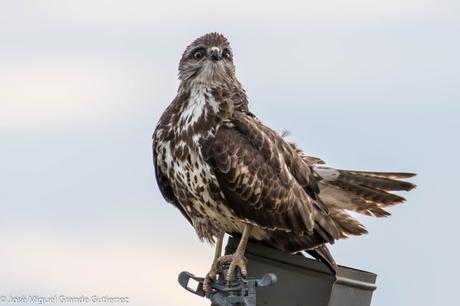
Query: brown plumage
229, 173
364, 192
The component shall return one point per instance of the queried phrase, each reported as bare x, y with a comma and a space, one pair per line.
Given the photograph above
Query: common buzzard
227, 172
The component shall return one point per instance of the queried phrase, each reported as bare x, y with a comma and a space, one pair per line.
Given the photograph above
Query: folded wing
267, 183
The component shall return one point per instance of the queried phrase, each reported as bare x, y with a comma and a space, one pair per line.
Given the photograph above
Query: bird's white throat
196, 107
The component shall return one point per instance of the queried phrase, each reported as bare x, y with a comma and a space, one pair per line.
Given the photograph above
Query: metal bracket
239, 292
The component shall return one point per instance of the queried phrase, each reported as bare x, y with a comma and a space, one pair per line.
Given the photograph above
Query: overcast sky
371, 85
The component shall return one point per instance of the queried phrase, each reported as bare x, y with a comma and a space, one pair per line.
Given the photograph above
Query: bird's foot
211, 277
235, 260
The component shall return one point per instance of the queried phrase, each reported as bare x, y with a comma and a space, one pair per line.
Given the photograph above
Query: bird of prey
227, 172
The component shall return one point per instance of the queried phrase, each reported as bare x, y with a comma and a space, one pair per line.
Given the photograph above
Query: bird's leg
237, 259
217, 254
212, 274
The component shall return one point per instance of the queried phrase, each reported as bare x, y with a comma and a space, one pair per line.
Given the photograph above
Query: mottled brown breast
186, 124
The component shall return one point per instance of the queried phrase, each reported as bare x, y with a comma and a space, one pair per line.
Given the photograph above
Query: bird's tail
322, 254
367, 193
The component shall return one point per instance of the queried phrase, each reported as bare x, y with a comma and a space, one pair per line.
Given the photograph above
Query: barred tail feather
347, 224
365, 192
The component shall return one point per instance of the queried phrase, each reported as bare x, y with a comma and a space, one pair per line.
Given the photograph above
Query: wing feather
265, 181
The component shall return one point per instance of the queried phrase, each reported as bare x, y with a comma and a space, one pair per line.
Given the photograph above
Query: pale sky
369, 85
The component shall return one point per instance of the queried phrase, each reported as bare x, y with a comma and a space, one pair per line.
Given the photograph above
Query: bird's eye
198, 55
227, 54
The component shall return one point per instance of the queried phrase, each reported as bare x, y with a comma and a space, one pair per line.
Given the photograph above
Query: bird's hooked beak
215, 53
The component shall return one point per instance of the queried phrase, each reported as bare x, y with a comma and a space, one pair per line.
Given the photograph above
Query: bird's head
208, 60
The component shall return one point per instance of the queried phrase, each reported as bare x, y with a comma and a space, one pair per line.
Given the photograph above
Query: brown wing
265, 181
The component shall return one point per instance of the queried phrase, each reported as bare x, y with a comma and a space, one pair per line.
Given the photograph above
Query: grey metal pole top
277, 278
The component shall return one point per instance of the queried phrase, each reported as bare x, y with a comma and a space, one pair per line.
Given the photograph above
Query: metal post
301, 282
